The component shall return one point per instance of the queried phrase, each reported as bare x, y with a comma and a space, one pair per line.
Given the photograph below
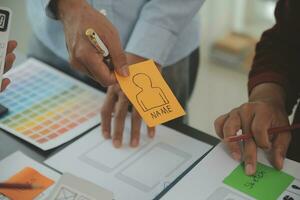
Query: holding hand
116, 107
9, 60
265, 110
77, 16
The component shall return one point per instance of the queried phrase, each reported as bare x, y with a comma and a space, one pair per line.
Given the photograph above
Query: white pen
100, 46
97, 42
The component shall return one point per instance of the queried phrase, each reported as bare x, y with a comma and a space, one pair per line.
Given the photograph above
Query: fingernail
151, 134
117, 143
280, 162
125, 71
134, 142
249, 169
236, 156
106, 135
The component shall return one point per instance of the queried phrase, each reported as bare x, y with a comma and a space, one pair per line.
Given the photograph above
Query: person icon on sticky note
149, 97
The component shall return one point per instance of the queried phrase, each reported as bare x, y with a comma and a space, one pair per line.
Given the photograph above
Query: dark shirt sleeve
277, 57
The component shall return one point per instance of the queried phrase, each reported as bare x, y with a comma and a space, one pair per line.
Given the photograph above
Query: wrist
67, 9
269, 92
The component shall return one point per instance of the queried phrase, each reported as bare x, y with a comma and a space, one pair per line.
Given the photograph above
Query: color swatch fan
46, 107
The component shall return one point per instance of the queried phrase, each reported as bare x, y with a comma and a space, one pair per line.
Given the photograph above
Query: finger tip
279, 163
7, 80
236, 156
249, 173
124, 74
124, 71
279, 168
250, 170
14, 42
151, 134
5, 84
117, 144
134, 143
106, 134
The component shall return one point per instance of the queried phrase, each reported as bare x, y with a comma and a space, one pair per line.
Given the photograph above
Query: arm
271, 92
158, 27
77, 16
277, 53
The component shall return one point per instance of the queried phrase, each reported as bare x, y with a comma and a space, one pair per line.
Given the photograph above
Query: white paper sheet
18, 161
130, 173
205, 180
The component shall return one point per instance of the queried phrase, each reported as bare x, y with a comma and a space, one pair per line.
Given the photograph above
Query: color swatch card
219, 177
46, 107
149, 93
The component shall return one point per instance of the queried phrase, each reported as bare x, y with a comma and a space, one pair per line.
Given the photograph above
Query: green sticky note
267, 184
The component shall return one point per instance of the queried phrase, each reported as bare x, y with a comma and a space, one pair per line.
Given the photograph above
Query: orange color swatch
150, 94
27, 176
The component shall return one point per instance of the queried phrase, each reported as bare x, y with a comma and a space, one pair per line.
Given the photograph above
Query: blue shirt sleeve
48, 10
156, 31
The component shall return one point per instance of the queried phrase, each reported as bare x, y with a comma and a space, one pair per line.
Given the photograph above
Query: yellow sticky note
150, 94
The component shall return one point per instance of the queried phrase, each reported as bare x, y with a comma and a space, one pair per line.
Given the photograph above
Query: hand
77, 16
116, 105
9, 60
265, 109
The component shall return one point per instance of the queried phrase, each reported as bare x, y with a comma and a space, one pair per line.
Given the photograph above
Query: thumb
280, 147
119, 60
123, 71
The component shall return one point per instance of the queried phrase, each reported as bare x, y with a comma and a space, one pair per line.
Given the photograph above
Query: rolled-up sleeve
49, 9
277, 57
160, 22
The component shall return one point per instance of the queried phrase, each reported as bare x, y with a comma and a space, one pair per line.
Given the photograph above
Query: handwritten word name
162, 111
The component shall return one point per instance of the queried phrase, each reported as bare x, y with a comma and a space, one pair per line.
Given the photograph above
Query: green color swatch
267, 184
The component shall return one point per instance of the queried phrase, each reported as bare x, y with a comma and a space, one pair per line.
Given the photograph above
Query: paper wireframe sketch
130, 173
71, 187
